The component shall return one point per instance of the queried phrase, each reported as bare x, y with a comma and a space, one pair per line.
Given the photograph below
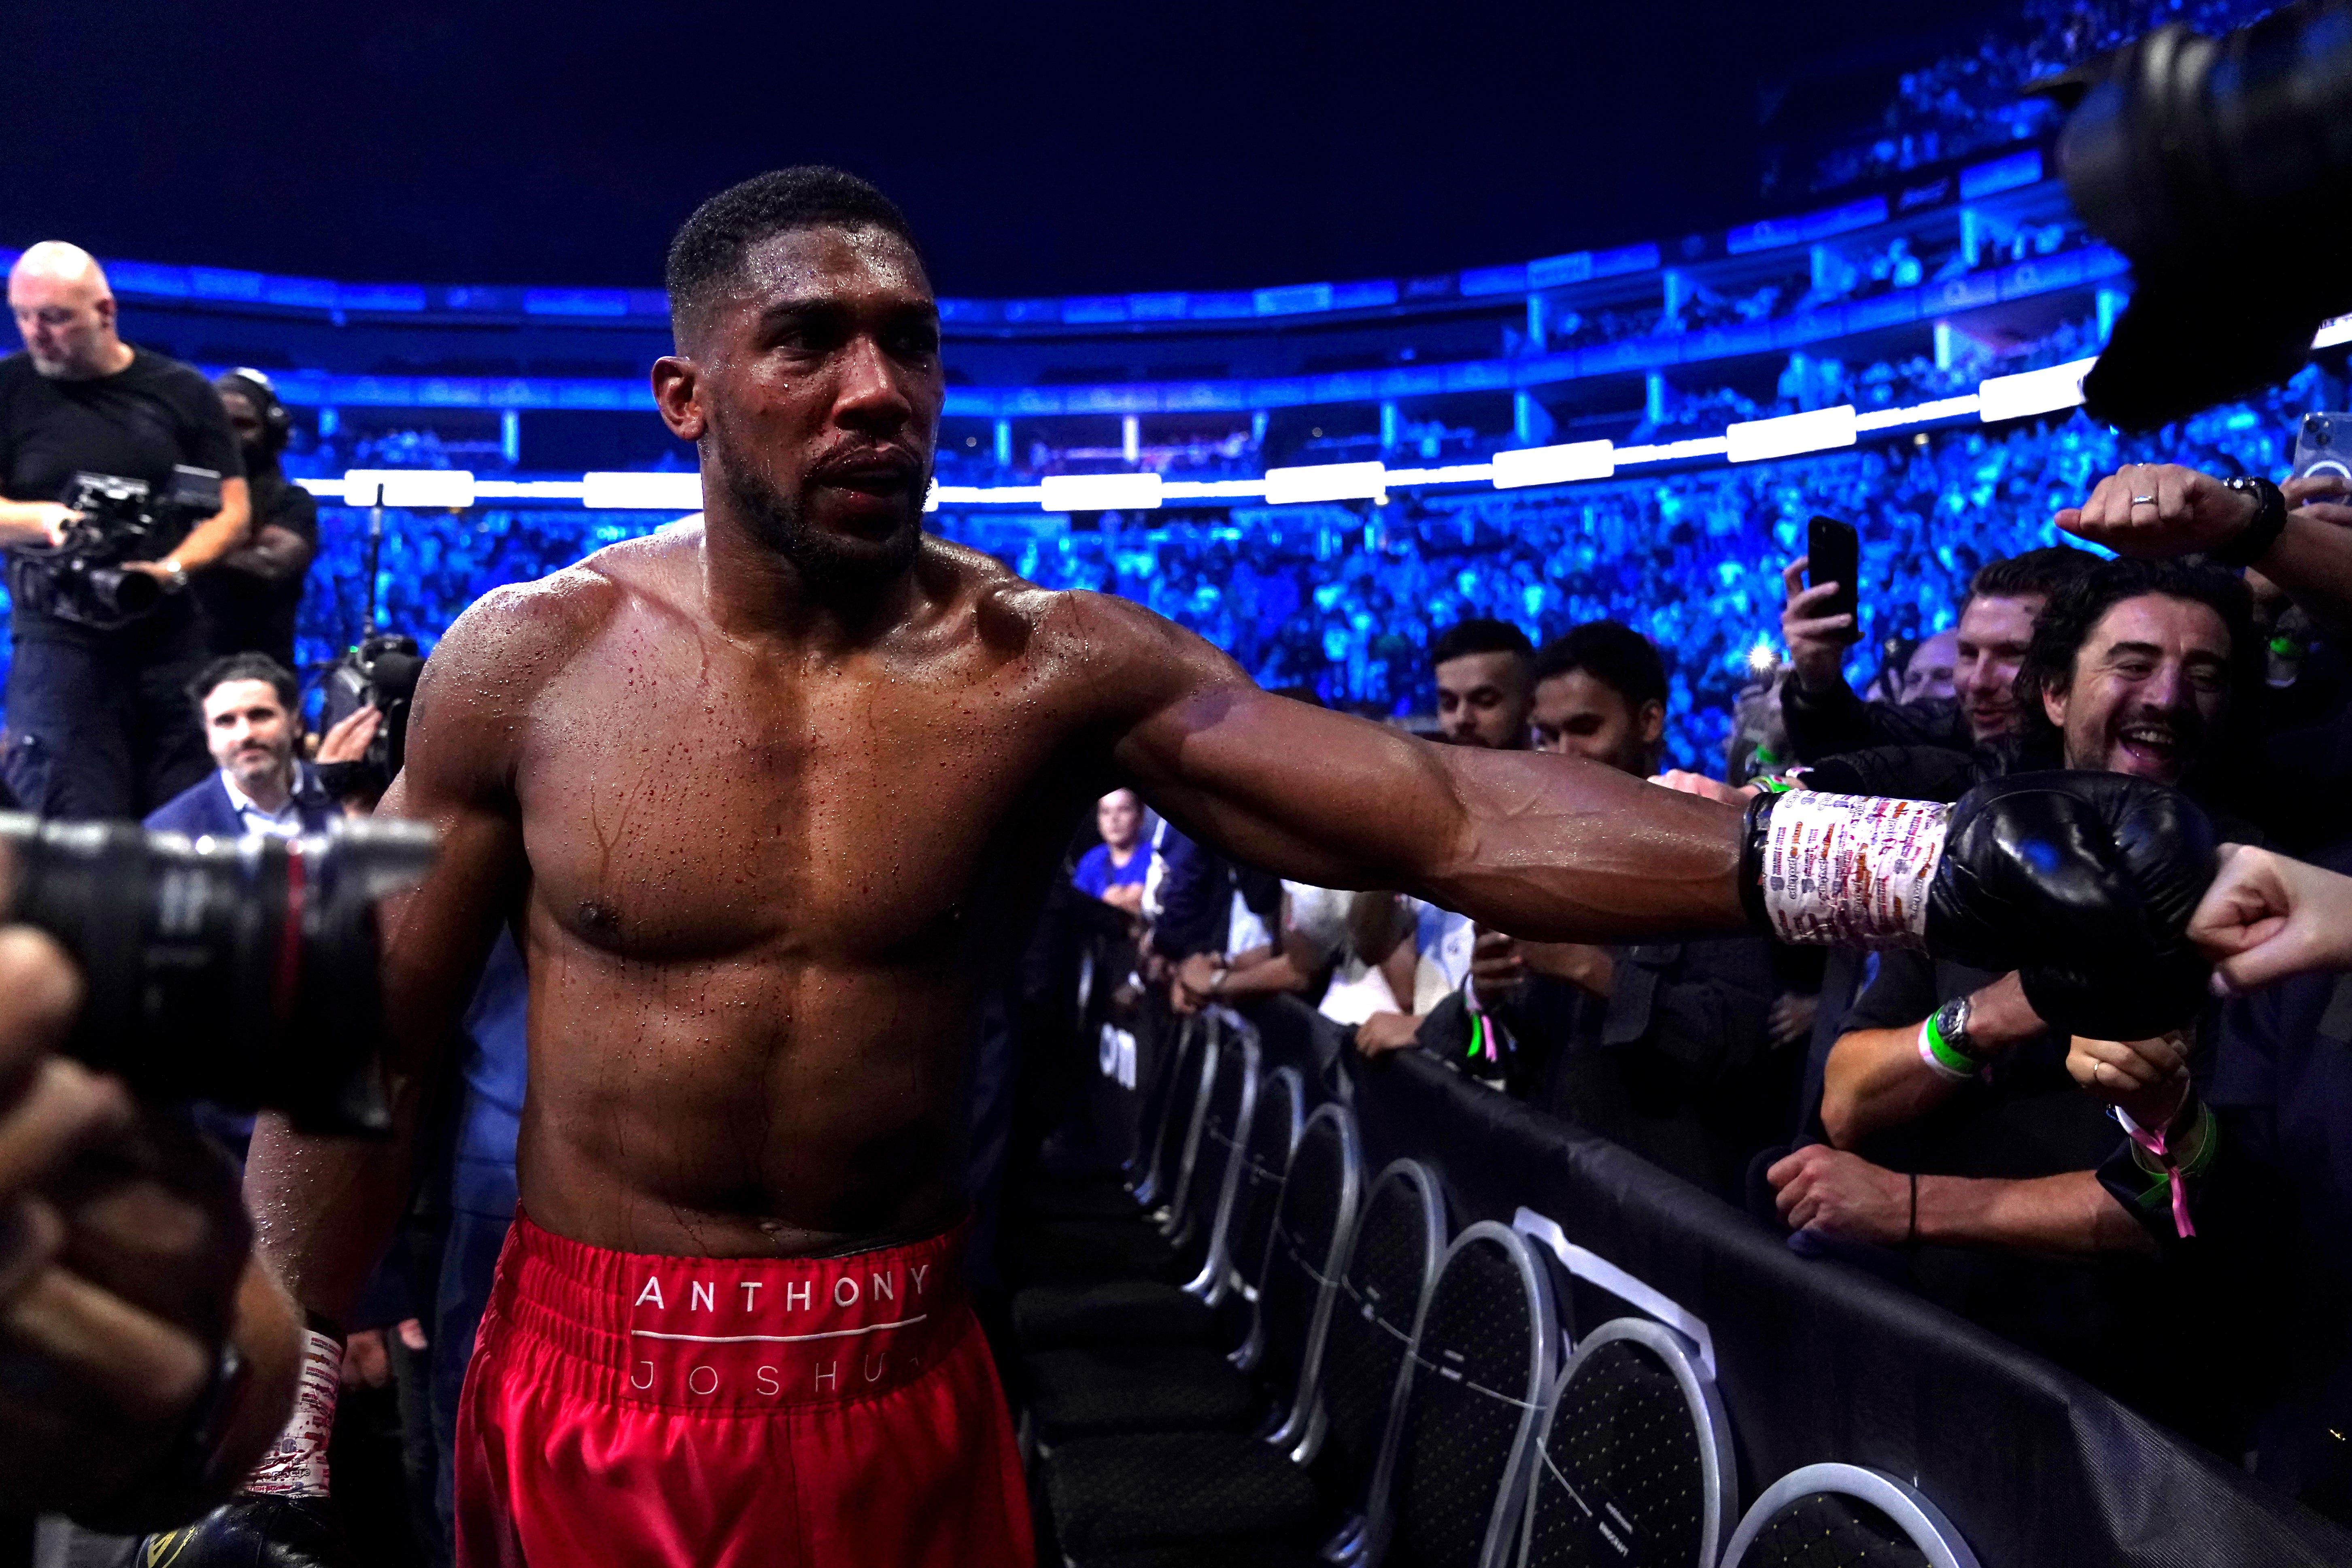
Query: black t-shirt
244, 613
139, 423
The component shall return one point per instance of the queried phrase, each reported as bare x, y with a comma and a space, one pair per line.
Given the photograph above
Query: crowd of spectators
1344, 600
1971, 100
1946, 1127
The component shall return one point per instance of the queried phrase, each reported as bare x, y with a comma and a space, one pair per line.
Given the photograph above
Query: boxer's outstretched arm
325, 1207
1541, 847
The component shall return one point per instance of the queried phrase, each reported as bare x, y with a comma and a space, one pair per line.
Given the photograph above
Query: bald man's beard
829, 562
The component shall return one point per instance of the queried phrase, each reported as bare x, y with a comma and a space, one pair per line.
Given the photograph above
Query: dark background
1040, 148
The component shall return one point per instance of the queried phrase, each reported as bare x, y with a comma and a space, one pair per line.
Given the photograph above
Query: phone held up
2324, 445
1833, 555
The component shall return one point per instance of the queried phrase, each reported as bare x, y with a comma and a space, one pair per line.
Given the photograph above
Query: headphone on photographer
277, 419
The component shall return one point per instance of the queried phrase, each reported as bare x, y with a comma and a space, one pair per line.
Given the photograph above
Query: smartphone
1833, 555
2324, 445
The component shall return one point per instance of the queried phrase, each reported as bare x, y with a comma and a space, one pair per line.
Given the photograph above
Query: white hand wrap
1851, 870
296, 1465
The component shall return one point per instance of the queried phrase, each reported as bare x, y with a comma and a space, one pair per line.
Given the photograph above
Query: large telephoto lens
240, 970
126, 593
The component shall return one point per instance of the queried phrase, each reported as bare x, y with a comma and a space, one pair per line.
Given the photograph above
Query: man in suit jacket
250, 710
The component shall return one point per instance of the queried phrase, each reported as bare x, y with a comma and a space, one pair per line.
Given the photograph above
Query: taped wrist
1844, 870
296, 1465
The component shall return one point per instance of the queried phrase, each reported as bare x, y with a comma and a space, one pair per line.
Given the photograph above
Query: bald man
98, 721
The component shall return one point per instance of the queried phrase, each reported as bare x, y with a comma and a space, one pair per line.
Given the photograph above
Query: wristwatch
1952, 1028
2253, 541
175, 577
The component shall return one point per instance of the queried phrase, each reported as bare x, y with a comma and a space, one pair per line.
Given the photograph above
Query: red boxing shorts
627, 1408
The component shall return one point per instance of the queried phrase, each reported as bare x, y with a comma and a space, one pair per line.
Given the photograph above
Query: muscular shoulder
492, 663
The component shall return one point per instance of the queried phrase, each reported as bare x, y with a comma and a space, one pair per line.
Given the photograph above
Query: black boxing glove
251, 1532
2082, 881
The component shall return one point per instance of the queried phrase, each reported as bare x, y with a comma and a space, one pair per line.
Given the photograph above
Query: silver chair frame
1917, 1517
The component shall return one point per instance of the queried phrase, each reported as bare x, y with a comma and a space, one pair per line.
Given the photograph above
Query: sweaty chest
703, 814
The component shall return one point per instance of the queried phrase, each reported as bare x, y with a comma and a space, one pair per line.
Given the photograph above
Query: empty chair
1360, 1287
1120, 1385
1842, 1516
1161, 1112
1633, 1461
1169, 1240
1050, 1317
1475, 1385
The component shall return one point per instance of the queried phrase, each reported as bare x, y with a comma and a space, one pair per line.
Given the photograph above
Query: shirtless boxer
761, 801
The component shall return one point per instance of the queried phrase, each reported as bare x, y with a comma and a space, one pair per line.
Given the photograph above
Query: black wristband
1755, 831
2255, 541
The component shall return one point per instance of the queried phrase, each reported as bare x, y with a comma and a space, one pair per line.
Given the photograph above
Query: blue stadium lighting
1554, 465
1791, 435
2046, 391
1100, 493
1326, 483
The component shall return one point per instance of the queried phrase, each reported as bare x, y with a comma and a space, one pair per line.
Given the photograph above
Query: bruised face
2146, 691
1992, 638
1578, 715
1482, 701
813, 384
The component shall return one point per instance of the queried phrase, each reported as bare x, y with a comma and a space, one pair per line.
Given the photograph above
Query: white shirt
283, 823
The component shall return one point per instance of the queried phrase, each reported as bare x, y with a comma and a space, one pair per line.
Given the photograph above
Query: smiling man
765, 804
1951, 1112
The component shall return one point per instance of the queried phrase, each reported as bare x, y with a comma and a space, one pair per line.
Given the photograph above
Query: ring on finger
2143, 501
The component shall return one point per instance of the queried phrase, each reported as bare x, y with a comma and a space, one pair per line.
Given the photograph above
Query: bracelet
2255, 541
2155, 1154
1940, 1057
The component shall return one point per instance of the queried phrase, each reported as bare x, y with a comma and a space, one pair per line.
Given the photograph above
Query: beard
832, 564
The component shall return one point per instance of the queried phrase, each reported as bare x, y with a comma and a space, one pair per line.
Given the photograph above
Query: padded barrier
1817, 1360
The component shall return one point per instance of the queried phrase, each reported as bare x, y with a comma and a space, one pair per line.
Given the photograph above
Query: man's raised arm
1543, 847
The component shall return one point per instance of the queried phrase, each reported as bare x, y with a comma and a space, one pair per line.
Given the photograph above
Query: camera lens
122, 592
239, 971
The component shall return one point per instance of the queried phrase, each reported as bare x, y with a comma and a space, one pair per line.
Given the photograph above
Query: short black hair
1478, 634
1613, 654
708, 248
2065, 622
246, 666
2034, 572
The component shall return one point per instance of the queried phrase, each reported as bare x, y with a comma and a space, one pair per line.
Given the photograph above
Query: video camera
2223, 168
83, 579
239, 971
382, 673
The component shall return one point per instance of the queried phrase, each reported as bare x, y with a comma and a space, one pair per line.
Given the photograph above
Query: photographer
146, 1360
98, 717
249, 599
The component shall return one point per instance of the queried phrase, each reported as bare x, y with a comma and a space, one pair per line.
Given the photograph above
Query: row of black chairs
1244, 1352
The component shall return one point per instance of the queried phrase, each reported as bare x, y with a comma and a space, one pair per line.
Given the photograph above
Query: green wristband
1939, 1054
